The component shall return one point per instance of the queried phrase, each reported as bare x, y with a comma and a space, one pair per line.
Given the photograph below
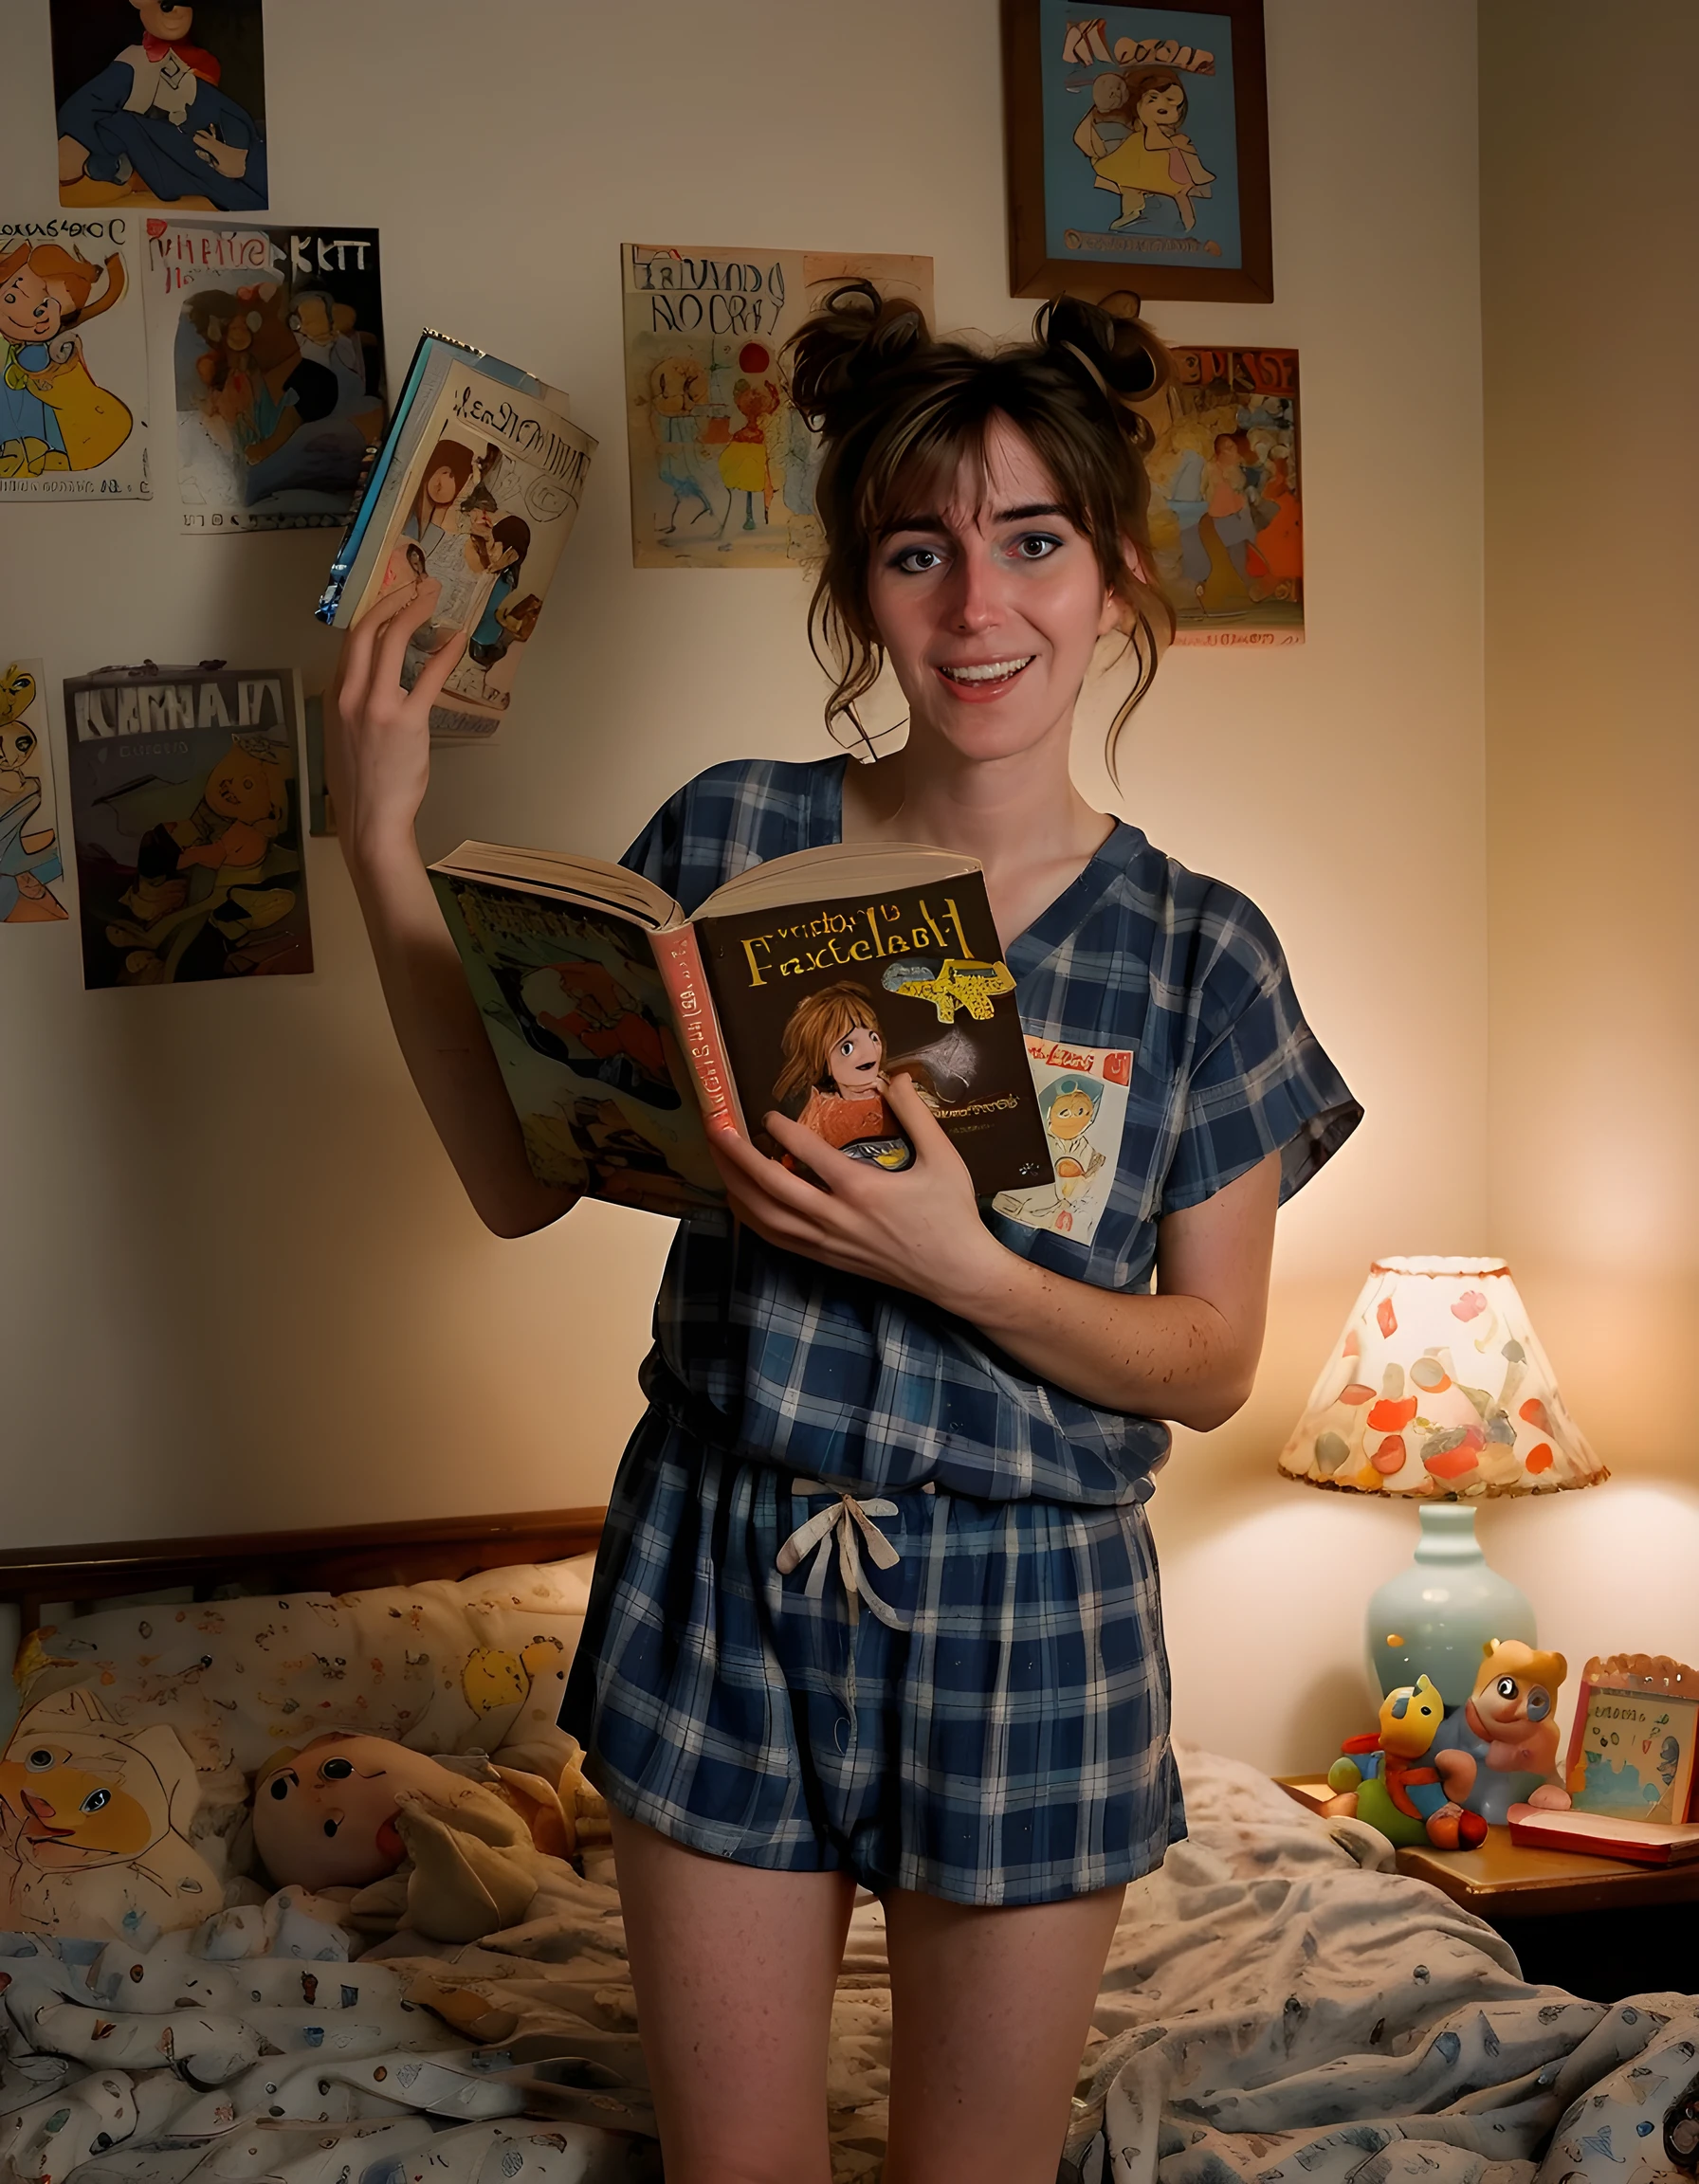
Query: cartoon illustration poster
1226, 500
187, 824
272, 341
73, 361
1140, 138
160, 104
722, 467
1082, 1099
32, 868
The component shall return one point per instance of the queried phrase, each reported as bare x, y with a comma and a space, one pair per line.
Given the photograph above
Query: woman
976, 1725
832, 1057
1154, 157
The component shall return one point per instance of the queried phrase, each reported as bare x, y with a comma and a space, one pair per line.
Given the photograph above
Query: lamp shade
1437, 1389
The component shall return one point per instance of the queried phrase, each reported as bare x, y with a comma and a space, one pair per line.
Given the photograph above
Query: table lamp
1437, 1391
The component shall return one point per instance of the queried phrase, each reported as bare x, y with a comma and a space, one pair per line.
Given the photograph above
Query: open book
625, 1030
476, 486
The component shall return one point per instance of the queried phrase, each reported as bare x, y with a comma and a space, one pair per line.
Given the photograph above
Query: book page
487, 495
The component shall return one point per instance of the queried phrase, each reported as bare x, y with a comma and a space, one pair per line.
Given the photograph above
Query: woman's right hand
377, 734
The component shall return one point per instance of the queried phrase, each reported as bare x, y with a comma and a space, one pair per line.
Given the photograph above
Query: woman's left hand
918, 1230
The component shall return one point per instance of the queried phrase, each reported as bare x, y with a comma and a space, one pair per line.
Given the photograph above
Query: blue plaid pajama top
976, 1705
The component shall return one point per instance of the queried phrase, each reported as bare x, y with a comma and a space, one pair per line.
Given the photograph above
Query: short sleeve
1259, 1081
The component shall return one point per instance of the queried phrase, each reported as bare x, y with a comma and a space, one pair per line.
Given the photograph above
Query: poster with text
31, 868
73, 360
1225, 496
722, 467
160, 105
271, 341
187, 821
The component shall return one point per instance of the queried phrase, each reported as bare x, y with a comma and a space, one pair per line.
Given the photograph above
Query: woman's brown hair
899, 412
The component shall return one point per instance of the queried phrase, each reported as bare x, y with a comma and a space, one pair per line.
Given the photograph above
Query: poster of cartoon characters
187, 824
271, 339
1082, 1099
722, 467
1225, 496
73, 361
579, 1021
160, 104
31, 868
1140, 138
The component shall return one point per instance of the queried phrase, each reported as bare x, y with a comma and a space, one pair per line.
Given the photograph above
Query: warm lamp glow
1438, 1389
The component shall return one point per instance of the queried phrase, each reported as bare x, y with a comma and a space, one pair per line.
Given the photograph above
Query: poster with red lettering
1226, 497
1082, 1101
272, 338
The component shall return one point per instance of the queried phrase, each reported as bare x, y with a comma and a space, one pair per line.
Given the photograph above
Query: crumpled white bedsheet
1279, 2008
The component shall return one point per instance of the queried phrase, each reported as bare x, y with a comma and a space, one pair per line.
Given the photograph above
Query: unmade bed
1280, 2006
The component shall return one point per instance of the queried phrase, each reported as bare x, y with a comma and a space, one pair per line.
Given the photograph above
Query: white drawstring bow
842, 1518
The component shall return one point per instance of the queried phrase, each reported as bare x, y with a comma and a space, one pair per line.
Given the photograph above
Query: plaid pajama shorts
923, 1690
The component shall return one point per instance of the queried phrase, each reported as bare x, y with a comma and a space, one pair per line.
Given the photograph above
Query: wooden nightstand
1598, 1926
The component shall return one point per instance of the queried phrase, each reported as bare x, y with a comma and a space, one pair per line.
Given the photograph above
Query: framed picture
1633, 1747
1138, 150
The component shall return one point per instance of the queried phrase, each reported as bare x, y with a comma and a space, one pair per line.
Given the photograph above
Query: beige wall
1591, 336
242, 1288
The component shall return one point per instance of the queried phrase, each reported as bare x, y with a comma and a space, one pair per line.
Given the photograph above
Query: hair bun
1115, 350
855, 340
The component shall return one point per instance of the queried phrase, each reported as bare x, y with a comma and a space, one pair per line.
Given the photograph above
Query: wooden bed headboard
343, 1558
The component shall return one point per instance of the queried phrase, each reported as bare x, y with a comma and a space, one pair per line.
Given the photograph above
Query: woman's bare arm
1189, 1353
377, 765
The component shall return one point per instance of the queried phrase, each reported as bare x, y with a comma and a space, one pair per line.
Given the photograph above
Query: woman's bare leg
990, 2011
733, 1968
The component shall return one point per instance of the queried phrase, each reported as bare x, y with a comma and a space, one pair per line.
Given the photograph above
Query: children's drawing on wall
1226, 504
272, 339
187, 825
160, 104
722, 467
1082, 1097
1139, 143
73, 362
31, 868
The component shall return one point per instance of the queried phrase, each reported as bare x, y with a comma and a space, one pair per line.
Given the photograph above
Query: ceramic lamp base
1436, 1617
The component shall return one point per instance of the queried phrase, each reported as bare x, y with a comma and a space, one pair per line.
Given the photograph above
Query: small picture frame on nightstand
1635, 1741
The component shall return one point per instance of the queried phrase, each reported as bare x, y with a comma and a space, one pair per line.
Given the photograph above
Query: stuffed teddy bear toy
410, 1842
1508, 1727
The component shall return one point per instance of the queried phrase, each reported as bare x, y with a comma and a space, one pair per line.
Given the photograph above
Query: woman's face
441, 487
991, 606
854, 1062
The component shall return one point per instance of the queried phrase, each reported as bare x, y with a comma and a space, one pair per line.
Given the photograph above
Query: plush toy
94, 1821
1507, 1727
1396, 1781
412, 1841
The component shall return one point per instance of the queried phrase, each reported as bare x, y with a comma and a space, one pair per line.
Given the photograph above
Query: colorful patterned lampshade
1437, 1389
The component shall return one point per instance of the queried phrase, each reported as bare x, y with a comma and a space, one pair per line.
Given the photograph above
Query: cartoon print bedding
1277, 2008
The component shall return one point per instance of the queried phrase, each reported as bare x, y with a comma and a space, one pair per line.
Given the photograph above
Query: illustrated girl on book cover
833, 1051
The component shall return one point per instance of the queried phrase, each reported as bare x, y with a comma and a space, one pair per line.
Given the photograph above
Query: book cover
819, 1003
162, 106
477, 487
579, 1018
32, 865
73, 360
271, 341
1640, 1841
187, 824
723, 467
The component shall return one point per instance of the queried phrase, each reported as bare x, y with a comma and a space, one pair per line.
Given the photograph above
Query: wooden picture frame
1633, 1748
1206, 237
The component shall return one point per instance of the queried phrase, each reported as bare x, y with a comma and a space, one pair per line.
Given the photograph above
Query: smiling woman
866, 1362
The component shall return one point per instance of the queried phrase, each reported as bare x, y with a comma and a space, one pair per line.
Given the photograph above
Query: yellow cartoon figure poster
722, 467
73, 360
31, 862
